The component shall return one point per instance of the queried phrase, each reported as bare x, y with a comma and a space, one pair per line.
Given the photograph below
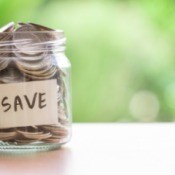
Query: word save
20, 102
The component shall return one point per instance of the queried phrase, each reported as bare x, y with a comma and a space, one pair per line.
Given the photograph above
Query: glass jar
35, 111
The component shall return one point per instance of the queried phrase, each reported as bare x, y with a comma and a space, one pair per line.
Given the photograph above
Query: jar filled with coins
35, 111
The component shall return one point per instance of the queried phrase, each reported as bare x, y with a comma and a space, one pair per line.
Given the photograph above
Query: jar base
38, 147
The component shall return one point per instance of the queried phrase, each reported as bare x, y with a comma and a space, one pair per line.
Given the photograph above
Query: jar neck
32, 43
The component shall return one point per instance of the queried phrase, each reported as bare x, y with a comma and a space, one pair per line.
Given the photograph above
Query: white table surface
103, 149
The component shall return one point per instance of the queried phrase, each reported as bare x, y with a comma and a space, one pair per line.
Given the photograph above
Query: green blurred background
122, 54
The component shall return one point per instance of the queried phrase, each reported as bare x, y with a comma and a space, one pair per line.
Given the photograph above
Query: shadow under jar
35, 112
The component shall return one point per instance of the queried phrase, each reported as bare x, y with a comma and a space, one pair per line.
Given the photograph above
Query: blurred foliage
122, 54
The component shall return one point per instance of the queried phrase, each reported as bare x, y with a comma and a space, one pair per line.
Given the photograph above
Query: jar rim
32, 41
37, 31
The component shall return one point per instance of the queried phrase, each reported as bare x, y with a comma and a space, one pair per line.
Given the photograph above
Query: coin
11, 75
49, 34
25, 141
41, 28
35, 135
27, 33
8, 28
5, 45
33, 56
3, 64
34, 65
49, 74
7, 135
5, 38
52, 140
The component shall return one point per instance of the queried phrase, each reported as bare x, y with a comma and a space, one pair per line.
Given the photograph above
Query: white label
28, 104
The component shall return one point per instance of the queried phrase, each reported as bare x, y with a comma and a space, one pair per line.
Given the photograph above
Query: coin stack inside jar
27, 54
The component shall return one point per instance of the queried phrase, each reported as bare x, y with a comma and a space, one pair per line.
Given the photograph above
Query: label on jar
28, 103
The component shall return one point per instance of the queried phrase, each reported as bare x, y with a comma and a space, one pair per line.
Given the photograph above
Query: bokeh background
122, 54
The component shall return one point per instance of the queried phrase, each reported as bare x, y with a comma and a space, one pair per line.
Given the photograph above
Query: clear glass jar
35, 101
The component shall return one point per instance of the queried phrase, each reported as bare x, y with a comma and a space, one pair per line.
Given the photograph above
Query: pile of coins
32, 134
26, 54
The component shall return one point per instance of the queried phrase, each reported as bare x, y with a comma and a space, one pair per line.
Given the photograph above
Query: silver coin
48, 75
52, 140
25, 141
33, 56
11, 75
35, 135
4, 64
39, 137
34, 29
5, 38
5, 45
49, 34
35, 64
24, 133
35, 72
25, 28
42, 68
40, 27
27, 33
48, 72
7, 135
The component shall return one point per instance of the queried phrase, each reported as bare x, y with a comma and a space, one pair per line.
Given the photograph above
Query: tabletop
103, 149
